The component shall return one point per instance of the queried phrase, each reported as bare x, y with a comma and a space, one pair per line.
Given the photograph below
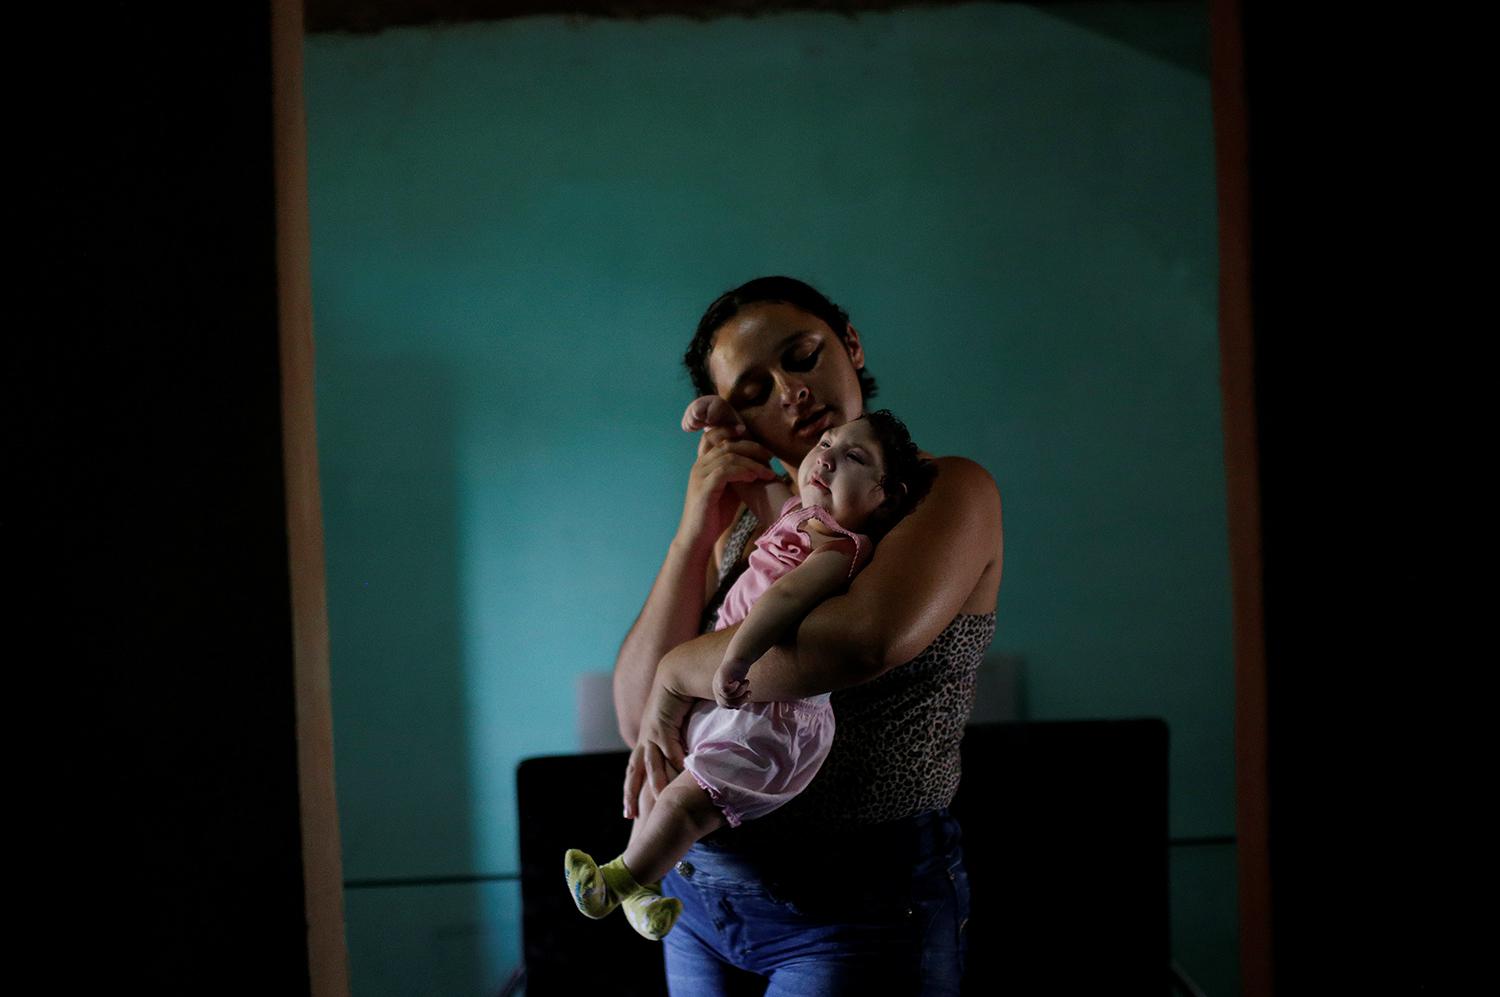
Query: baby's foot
651, 914
590, 892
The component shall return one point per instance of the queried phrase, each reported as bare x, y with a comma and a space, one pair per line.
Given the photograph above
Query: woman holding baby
856, 885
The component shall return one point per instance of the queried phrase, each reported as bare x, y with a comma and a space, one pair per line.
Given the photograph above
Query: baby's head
867, 473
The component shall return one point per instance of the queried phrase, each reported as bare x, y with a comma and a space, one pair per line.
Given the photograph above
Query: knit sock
588, 885
651, 914
597, 890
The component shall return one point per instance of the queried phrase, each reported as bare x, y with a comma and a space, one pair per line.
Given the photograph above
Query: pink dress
752, 760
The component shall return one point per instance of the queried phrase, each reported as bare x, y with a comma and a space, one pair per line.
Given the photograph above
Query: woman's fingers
740, 465
747, 448
634, 771
718, 441
656, 769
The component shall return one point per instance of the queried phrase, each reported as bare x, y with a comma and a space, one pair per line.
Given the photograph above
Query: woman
859, 882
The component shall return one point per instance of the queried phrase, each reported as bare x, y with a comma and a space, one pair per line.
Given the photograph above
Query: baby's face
842, 474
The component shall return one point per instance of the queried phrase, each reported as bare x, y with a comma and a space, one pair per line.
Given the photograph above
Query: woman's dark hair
908, 475
786, 289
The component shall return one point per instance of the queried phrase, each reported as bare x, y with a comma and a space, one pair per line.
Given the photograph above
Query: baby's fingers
733, 694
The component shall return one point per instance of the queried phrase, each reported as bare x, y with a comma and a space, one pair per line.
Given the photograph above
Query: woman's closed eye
804, 363
755, 396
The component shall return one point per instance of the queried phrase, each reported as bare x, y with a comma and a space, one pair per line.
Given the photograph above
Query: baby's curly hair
908, 476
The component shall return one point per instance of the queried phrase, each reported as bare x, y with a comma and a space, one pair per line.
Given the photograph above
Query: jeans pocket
958, 876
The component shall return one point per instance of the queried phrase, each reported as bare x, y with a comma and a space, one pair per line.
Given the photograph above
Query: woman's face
788, 375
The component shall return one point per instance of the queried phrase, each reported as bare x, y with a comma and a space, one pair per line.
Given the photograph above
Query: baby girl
746, 759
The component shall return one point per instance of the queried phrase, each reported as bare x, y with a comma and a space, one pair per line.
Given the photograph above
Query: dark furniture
1065, 835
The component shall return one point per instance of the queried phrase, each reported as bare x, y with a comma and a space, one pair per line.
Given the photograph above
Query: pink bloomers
752, 760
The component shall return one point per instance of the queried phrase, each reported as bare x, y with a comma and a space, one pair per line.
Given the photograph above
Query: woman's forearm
669, 618
827, 655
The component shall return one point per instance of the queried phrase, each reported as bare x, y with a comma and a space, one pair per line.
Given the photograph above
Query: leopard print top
895, 744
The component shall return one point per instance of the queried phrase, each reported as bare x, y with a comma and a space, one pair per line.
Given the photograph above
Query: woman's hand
658, 754
723, 460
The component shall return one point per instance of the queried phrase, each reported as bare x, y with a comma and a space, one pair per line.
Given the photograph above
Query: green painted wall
515, 228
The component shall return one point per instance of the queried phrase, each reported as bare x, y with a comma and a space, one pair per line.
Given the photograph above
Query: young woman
859, 881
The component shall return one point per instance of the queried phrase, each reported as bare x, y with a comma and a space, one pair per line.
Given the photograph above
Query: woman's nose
793, 392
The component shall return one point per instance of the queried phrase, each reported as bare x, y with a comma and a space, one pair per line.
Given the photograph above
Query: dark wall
1355, 642
159, 254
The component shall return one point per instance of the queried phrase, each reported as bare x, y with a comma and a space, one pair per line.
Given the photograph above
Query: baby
746, 759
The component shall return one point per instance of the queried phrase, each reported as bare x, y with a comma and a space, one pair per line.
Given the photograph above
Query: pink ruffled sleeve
863, 547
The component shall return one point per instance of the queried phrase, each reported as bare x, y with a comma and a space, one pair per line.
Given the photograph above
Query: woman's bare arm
673, 607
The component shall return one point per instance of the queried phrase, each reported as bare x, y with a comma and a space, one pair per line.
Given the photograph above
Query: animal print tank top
895, 746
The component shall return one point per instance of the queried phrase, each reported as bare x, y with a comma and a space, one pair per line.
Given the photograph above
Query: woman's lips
815, 423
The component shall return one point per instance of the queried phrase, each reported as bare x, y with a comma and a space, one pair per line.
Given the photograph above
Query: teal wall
515, 228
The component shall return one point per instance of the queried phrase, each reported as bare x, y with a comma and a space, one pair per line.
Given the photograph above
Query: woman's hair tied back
726, 306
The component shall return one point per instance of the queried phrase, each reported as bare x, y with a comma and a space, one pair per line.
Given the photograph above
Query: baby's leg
666, 828
682, 814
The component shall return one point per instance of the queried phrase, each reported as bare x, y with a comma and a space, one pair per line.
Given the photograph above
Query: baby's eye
856, 458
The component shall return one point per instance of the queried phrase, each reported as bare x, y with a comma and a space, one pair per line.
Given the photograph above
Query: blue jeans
880, 913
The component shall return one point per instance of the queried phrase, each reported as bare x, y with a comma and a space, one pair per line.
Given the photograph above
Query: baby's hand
709, 411
731, 689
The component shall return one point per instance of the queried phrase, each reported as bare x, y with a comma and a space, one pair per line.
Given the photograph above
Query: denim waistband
747, 853
795, 870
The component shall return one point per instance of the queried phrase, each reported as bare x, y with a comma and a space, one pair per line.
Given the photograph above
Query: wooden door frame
322, 863
1242, 493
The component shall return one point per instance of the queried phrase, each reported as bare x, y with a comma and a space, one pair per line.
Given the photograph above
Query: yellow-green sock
599, 889
651, 914
588, 885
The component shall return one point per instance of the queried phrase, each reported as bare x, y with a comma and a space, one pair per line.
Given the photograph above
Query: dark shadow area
1186, 46
1065, 840
1177, 31
177, 726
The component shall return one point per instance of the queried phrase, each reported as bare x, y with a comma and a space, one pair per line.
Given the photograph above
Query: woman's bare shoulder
963, 481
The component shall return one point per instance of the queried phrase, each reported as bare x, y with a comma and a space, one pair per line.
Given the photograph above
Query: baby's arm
779, 610
765, 498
